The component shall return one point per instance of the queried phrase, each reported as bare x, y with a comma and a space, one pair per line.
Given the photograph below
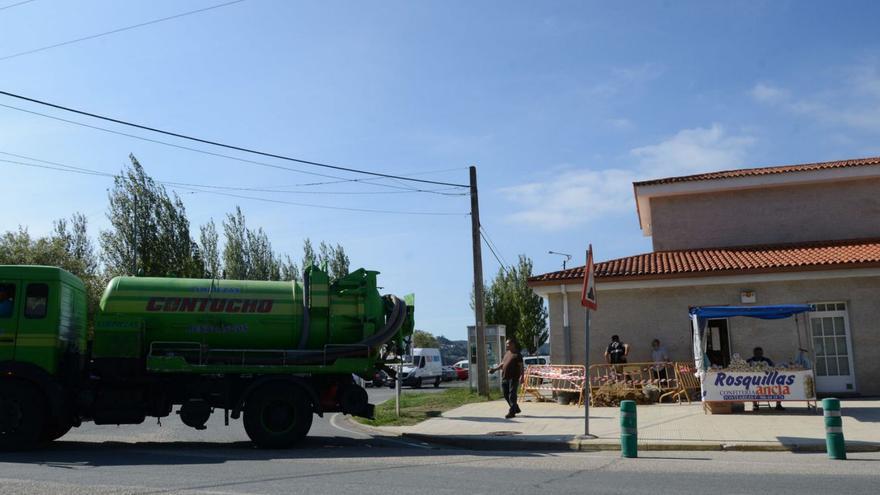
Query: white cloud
625, 78
692, 151
853, 102
574, 197
769, 94
621, 124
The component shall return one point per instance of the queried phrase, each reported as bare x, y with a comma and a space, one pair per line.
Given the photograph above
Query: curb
525, 444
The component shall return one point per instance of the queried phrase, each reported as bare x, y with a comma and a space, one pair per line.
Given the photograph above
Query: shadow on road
75, 454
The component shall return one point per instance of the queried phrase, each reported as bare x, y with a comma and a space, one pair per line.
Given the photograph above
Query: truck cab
42, 348
42, 319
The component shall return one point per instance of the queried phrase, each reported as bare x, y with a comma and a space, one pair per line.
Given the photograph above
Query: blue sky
560, 105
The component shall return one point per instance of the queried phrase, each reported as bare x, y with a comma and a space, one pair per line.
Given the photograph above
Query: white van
423, 367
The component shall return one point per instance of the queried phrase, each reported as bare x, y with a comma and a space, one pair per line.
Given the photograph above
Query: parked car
532, 360
380, 378
461, 368
422, 368
449, 374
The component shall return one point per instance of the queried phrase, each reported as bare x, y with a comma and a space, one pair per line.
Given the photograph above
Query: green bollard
833, 429
629, 433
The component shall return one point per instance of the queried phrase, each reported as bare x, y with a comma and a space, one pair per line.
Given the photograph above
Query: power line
17, 4
492, 244
497, 258
362, 210
114, 31
197, 188
207, 186
369, 180
227, 146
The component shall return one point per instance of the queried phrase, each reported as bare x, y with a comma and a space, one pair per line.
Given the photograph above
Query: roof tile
748, 172
787, 257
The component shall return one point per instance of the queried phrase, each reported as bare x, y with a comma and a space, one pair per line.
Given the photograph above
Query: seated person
758, 357
660, 358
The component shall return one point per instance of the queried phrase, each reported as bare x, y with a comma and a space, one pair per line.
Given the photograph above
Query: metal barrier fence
671, 379
551, 379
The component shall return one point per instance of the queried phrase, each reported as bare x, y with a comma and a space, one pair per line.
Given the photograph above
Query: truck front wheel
277, 416
22, 416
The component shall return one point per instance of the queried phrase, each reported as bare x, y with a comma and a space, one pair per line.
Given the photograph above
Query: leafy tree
235, 252
288, 268
74, 238
248, 254
149, 231
263, 263
309, 257
329, 257
339, 262
511, 302
421, 338
208, 245
334, 259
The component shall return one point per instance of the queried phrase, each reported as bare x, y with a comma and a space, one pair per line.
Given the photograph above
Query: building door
9, 298
832, 346
718, 342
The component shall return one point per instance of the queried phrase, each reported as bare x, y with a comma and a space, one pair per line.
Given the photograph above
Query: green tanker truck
271, 353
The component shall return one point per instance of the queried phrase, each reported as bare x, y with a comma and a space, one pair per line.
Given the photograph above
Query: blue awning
763, 312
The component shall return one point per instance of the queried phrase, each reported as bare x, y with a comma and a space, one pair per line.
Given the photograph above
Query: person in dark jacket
511, 370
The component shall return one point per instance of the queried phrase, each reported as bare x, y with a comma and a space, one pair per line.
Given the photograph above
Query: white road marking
335, 424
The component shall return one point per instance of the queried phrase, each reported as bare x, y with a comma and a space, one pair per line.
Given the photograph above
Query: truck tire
53, 431
22, 415
418, 383
437, 382
277, 416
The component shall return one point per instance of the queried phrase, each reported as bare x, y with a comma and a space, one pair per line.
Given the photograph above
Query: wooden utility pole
482, 368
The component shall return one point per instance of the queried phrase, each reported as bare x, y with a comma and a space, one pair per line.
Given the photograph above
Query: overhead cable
198, 189
365, 180
114, 31
223, 145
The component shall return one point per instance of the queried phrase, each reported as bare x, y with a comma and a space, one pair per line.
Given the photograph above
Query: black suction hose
392, 326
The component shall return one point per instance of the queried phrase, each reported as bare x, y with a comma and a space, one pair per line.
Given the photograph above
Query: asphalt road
173, 458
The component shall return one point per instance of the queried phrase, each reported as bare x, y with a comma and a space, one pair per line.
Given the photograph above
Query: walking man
511, 370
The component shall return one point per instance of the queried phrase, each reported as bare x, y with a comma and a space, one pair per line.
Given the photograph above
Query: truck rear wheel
277, 416
53, 431
418, 383
437, 382
22, 416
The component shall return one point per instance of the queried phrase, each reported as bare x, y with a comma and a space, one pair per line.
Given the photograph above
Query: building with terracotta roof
773, 235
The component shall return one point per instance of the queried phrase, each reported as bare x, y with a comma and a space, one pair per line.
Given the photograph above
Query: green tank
251, 315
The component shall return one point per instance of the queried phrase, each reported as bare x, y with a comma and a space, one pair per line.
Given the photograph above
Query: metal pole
479, 325
587, 373
397, 386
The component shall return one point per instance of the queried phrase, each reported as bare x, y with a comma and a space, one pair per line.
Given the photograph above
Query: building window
35, 301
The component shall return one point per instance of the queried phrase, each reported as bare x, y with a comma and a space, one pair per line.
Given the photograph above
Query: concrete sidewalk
549, 426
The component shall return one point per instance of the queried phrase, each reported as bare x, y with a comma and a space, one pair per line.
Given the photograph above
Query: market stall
741, 381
